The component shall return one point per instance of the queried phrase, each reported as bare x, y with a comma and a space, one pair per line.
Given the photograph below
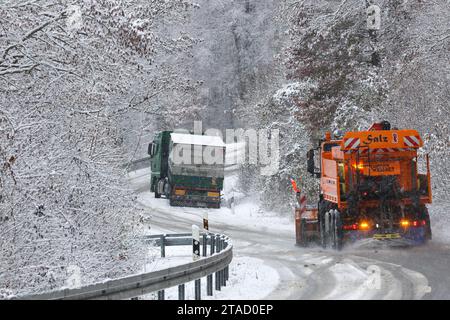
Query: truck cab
158, 151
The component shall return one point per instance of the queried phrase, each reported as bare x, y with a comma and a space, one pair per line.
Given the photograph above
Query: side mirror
310, 161
311, 167
150, 149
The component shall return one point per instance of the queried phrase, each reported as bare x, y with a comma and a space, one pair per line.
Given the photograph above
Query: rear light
404, 223
213, 194
180, 192
419, 223
359, 166
364, 225
351, 227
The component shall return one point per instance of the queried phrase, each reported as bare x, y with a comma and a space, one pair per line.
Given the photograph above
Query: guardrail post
217, 240
161, 295
198, 290
163, 245
227, 269
218, 281
209, 285
209, 278
211, 237
181, 292
220, 271
224, 276
205, 244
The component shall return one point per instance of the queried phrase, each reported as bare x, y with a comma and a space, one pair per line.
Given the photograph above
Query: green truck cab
182, 171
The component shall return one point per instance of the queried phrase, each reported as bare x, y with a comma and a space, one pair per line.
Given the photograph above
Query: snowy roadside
440, 219
266, 263
249, 278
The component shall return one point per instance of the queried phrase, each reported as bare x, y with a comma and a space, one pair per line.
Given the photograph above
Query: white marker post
205, 221
195, 257
195, 243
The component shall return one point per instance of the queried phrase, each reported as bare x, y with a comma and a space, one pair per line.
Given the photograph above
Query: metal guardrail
220, 256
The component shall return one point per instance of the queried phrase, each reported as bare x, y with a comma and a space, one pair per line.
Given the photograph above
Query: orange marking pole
294, 185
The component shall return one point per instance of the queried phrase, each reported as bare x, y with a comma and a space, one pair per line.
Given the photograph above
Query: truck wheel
323, 242
157, 195
426, 217
325, 230
324, 223
331, 228
337, 230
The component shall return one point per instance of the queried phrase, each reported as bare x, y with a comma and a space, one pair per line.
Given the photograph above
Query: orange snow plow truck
370, 187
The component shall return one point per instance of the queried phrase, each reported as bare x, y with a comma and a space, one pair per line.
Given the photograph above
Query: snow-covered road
362, 272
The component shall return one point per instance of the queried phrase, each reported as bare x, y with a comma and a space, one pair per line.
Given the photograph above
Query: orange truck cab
370, 187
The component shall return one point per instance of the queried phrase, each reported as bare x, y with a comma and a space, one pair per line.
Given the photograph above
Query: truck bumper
411, 236
195, 201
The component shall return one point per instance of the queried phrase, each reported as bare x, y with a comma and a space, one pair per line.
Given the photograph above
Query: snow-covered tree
72, 75
355, 76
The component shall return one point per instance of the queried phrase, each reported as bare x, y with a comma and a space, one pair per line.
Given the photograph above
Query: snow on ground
249, 279
175, 256
351, 282
265, 268
244, 212
247, 214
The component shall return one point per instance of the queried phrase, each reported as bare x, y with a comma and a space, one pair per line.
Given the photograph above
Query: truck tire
325, 235
331, 234
337, 231
426, 217
157, 195
322, 233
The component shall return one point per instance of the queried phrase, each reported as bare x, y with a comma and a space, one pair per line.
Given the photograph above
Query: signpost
205, 221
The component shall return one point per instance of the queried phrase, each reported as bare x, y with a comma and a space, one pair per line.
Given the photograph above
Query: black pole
198, 288
181, 292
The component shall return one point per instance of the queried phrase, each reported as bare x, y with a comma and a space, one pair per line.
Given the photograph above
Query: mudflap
416, 236
306, 233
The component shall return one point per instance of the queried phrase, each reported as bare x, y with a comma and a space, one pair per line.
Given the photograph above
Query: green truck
187, 169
